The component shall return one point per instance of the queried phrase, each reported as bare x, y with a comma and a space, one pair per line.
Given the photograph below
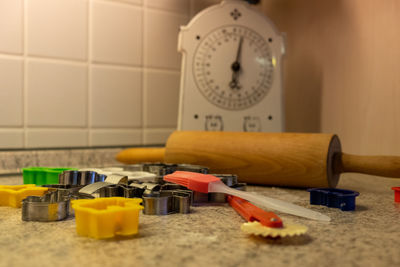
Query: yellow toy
107, 217
12, 195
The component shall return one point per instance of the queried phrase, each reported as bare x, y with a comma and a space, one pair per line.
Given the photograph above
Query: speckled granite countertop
211, 236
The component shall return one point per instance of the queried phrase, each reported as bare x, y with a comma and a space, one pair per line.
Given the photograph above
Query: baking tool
162, 169
91, 189
89, 176
106, 189
70, 177
112, 190
53, 206
191, 168
42, 175
199, 198
208, 183
231, 70
261, 222
334, 198
12, 195
71, 189
153, 171
256, 228
82, 176
167, 202
183, 199
158, 199
283, 159
116, 179
396, 194
149, 188
228, 179
120, 190
107, 217
140, 176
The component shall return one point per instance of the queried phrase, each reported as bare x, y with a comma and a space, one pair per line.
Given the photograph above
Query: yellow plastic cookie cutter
12, 195
107, 217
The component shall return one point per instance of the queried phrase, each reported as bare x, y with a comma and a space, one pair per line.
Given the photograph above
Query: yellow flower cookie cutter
12, 195
107, 217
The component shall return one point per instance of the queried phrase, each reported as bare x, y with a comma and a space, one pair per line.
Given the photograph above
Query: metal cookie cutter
159, 168
107, 189
162, 169
92, 180
119, 190
167, 202
116, 179
80, 177
53, 206
68, 189
92, 190
140, 176
192, 168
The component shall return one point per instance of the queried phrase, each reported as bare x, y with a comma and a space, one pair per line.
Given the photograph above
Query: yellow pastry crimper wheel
260, 222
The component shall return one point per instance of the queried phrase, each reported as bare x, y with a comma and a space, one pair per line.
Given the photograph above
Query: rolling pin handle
141, 154
386, 166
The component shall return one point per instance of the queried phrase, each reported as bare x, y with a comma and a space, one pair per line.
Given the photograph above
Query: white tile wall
78, 73
57, 28
117, 33
115, 137
56, 94
116, 97
179, 6
11, 26
11, 138
161, 38
11, 86
37, 138
162, 98
156, 136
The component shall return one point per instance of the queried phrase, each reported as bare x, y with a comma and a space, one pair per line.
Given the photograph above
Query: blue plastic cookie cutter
334, 198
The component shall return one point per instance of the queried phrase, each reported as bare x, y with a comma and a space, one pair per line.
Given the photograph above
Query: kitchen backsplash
89, 73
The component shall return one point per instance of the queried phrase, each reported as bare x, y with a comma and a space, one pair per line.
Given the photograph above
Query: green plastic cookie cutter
42, 175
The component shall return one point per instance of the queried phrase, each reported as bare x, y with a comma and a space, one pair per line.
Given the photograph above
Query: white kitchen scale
231, 77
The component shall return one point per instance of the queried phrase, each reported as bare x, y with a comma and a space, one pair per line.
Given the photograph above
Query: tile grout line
84, 63
133, 5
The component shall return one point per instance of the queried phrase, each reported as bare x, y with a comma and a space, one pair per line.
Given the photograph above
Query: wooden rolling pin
281, 159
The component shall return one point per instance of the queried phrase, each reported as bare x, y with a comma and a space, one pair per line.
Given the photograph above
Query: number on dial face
233, 67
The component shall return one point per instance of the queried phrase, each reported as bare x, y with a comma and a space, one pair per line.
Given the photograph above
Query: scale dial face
233, 67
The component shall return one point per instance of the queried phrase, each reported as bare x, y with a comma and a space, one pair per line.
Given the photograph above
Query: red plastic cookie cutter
396, 194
